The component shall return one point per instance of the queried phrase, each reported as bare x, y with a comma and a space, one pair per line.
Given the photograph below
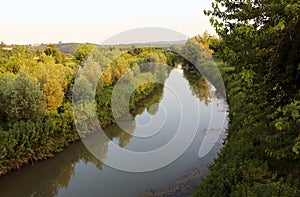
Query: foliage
21, 99
28, 141
52, 79
82, 52
13, 60
260, 46
48, 86
53, 51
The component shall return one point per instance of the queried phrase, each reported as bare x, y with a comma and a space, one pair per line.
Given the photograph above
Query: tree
119, 67
82, 52
260, 45
4, 81
24, 100
52, 50
52, 80
194, 50
262, 36
46, 59
106, 77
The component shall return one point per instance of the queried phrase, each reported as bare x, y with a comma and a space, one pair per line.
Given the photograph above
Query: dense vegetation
151, 94
258, 54
260, 47
36, 115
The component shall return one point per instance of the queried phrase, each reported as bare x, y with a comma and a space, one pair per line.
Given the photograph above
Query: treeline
260, 47
35, 114
195, 56
38, 93
36, 88
140, 67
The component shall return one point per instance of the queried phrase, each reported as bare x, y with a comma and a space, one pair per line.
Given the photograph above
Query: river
76, 172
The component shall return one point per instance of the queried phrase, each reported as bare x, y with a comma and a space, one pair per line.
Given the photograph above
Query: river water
76, 172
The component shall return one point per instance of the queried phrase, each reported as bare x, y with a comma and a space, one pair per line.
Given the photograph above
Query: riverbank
29, 142
76, 171
184, 186
245, 167
36, 112
260, 44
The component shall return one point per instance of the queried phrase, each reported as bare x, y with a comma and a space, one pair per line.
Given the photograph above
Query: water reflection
73, 172
199, 86
47, 177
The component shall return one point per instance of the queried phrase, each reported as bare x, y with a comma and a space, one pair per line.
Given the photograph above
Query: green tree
262, 39
24, 100
46, 59
82, 52
262, 36
119, 67
260, 45
52, 50
52, 80
106, 76
5, 80
194, 50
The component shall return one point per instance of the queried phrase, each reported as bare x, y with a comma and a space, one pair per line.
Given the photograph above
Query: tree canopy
260, 49
82, 51
21, 99
52, 50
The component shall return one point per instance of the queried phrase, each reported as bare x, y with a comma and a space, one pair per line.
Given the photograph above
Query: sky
35, 22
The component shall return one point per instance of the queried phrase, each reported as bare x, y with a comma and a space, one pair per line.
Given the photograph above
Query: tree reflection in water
56, 177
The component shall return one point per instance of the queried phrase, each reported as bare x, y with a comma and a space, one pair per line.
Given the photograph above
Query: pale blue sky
33, 21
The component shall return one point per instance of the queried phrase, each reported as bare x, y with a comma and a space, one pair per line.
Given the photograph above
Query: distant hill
159, 43
69, 48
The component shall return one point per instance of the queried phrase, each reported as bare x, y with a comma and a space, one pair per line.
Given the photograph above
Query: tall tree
261, 35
